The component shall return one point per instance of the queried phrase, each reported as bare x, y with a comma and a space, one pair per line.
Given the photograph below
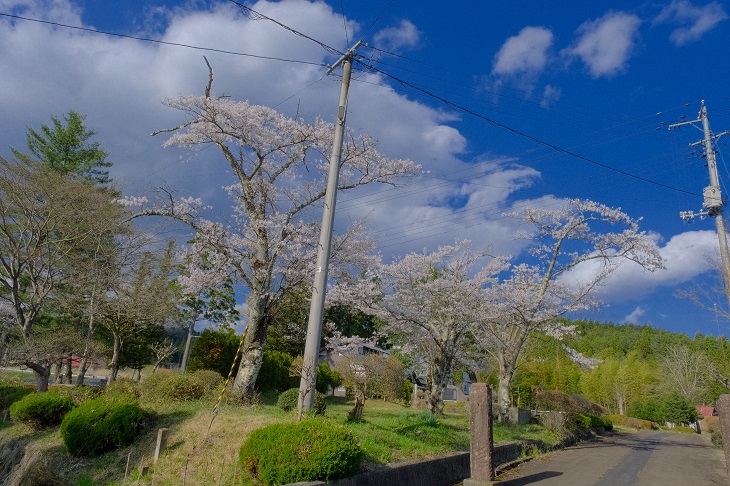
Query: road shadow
531, 479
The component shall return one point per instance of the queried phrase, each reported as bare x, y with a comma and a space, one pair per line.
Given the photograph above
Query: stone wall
443, 471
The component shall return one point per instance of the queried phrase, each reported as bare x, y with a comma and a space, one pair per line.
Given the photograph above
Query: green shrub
124, 389
558, 401
214, 349
632, 422
211, 380
588, 421
716, 438
41, 410
309, 451
274, 374
180, 386
288, 400
101, 425
320, 403
11, 392
79, 394
326, 378
583, 421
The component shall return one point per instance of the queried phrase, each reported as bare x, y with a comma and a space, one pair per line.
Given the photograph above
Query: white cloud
467, 202
686, 256
694, 21
550, 96
395, 38
605, 44
526, 53
635, 316
120, 83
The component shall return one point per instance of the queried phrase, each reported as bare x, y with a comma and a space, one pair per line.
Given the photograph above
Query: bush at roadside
634, 423
588, 421
308, 451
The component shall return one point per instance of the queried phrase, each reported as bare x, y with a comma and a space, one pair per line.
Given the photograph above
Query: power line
254, 15
523, 134
378, 18
157, 41
344, 23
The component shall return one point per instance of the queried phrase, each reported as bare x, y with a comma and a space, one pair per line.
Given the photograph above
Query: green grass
205, 453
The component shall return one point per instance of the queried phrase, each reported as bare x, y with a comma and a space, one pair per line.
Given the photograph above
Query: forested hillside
628, 369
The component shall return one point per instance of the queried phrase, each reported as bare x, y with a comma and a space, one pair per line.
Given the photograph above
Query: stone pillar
723, 410
161, 442
481, 448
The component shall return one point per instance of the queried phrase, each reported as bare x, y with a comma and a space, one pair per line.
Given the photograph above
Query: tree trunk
252, 357
620, 400
114, 365
440, 371
504, 397
57, 371
87, 347
81, 375
69, 369
186, 353
42, 372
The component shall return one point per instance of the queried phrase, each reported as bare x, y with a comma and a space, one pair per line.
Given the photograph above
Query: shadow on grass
172, 418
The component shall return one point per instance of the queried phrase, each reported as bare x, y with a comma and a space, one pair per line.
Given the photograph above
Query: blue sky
539, 99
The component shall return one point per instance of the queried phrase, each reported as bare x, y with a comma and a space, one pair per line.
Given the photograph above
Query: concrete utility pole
316, 309
713, 201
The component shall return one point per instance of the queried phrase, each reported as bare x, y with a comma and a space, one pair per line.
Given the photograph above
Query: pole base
477, 482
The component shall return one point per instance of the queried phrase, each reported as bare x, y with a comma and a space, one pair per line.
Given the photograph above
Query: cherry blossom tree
267, 241
434, 299
576, 247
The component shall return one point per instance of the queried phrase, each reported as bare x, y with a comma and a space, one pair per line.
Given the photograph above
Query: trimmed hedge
308, 451
588, 421
11, 392
102, 425
624, 421
288, 400
41, 410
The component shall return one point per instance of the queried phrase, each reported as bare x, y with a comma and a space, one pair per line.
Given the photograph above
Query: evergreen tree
65, 148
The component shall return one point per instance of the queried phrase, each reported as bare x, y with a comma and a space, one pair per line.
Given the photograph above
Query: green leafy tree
275, 372
214, 304
45, 217
65, 148
143, 297
214, 349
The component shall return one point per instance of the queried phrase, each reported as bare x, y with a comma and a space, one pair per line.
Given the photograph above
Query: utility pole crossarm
346, 56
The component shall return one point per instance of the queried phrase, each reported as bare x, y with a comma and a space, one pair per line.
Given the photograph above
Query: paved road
627, 459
